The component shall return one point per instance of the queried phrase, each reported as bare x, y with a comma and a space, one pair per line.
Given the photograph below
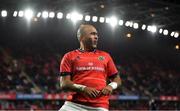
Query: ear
81, 38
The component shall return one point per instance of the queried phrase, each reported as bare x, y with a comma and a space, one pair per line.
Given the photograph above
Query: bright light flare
28, 14
113, 21
153, 29
75, 16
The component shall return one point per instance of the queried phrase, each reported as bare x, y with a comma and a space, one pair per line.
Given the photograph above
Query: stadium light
160, 31
177, 47
68, 16
172, 34
148, 28
121, 22
176, 35
21, 13
4, 13
165, 32
39, 14
80, 17
45, 14
59, 15
113, 21
153, 29
127, 23
101, 19
143, 27
94, 18
51, 14
75, 16
131, 24
15, 14
28, 14
107, 20
87, 18
135, 25
128, 35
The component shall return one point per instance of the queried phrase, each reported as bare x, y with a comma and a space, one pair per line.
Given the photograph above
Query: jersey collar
79, 49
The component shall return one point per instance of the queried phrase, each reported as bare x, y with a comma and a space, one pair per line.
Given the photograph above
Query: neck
85, 48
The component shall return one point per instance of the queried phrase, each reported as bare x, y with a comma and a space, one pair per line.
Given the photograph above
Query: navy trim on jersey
113, 76
65, 73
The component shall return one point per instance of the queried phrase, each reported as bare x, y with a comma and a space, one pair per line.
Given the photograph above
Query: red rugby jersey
90, 69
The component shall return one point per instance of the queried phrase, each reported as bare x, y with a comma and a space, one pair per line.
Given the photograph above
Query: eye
94, 33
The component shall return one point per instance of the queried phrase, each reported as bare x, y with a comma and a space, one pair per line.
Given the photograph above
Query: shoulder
71, 53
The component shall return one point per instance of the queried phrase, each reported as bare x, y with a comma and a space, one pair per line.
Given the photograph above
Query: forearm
70, 85
66, 83
115, 81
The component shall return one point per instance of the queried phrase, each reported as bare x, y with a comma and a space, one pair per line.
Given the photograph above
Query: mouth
94, 43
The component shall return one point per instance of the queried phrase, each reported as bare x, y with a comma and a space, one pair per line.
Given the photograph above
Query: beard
94, 45
91, 44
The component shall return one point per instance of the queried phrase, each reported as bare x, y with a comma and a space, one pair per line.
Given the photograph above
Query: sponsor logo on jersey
90, 68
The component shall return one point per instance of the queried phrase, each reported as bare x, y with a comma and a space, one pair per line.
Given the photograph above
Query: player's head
87, 35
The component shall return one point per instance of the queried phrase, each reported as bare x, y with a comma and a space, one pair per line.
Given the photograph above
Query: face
90, 37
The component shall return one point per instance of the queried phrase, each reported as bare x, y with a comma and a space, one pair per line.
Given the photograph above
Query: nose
96, 37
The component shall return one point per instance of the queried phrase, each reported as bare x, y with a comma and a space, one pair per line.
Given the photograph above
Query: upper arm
65, 71
111, 67
66, 64
112, 71
65, 81
65, 77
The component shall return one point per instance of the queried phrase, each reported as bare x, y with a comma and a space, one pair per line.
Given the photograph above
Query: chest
89, 62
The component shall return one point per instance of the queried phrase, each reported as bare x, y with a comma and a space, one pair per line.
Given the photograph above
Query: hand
91, 92
107, 90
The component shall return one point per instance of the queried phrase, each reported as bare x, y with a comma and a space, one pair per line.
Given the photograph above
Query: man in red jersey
85, 71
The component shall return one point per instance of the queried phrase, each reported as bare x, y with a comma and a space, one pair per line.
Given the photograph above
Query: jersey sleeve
111, 67
65, 65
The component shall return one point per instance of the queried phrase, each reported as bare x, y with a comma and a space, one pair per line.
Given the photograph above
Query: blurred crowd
38, 73
41, 105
